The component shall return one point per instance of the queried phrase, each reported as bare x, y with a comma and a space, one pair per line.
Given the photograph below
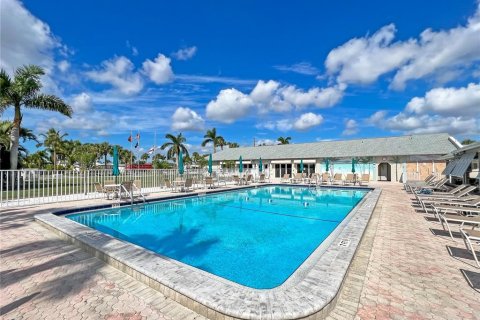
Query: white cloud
302, 68
448, 101
24, 39
81, 103
159, 70
351, 127
441, 54
266, 142
304, 122
270, 96
195, 78
307, 121
185, 53
230, 105
118, 72
134, 49
63, 65
451, 110
185, 119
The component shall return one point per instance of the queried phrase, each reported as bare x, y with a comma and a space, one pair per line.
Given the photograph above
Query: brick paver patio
405, 268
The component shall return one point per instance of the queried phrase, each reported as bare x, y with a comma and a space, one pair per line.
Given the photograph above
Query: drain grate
344, 243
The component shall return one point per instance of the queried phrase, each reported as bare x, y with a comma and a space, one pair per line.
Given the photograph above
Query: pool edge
306, 299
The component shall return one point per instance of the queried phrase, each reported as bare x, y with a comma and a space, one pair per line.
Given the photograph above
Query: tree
104, 149
233, 145
36, 160
53, 141
159, 162
5, 143
284, 140
467, 141
199, 160
211, 137
174, 146
86, 156
144, 158
69, 148
24, 92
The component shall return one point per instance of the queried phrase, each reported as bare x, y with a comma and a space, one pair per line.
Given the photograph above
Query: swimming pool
255, 237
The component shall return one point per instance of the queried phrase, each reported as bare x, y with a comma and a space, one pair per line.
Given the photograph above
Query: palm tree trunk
105, 163
54, 159
14, 136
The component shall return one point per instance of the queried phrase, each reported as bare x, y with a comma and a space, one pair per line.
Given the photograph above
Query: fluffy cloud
351, 127
118, 72
441, 54
452, 110
304, 122
81, 103
230, 105
270, 96
24, 39
448, 101
363, 60
301, 68
185, 54
185, 119
307, 121
159, 70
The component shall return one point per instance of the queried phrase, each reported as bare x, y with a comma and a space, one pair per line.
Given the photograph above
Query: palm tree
53, 141
211, 137
36, 160
467, 141
144, 158
174, 146
24, 92
104, 150
5, 143
284, 140
233, 145
69, 149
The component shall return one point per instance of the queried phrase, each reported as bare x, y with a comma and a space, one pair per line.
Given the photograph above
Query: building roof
422, 144
473, 147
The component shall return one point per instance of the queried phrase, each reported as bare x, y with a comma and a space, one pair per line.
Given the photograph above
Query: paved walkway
405, 268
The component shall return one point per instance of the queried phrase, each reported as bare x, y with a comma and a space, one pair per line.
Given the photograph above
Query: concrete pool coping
309, 293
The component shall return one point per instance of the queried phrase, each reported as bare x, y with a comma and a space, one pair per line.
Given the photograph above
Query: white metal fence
31, 187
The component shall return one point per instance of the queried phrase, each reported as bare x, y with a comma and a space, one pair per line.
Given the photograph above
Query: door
384, 172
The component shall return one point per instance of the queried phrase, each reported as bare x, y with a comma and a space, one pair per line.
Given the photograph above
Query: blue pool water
255, 237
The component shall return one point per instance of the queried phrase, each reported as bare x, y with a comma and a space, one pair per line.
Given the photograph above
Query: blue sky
311, 70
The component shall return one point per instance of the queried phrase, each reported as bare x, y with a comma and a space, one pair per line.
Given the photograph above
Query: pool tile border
309, 293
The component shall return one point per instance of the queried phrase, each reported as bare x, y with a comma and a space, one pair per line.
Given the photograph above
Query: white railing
32, 187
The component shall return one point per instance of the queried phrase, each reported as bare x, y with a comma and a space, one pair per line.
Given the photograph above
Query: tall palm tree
24, 92
53, 141
36, 160
104, 149
211, 137
284, 140
174, 146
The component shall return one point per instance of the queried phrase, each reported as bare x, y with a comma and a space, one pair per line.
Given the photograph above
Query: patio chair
452, 191
285, 178
445, 218
100, 189
337, 178
126, 189
364, 180
188, 185
325, 177
106, 182
349, 179
298, 177
261, 179
236, 180
249, 179
457, 195
470, 237
209, 183
137, 185
464, 200
168, 185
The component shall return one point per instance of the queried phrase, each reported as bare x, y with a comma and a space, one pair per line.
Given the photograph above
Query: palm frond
49, 102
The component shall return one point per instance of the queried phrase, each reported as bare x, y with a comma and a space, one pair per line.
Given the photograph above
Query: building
390, 159
464, 164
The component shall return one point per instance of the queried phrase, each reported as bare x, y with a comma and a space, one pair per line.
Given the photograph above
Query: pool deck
405, 267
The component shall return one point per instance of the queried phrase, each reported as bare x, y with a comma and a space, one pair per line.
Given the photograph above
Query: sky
311, 70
